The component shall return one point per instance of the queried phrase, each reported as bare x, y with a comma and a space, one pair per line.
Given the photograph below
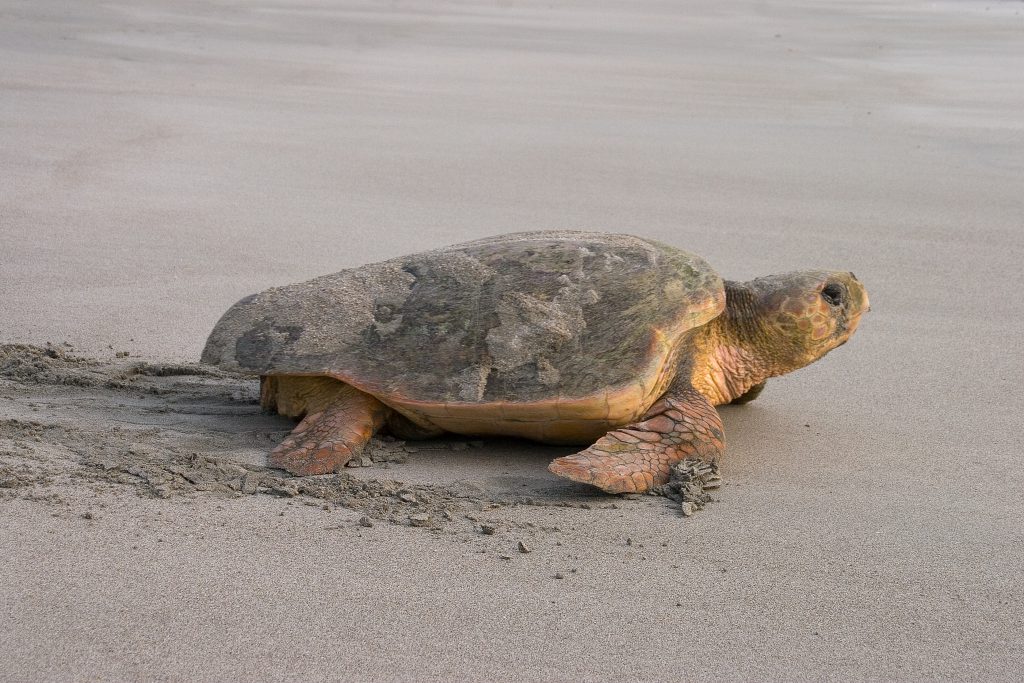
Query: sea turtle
615, 341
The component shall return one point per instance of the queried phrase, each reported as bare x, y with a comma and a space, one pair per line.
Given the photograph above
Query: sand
160, 160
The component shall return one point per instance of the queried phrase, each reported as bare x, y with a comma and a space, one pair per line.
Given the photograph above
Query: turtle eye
833, 294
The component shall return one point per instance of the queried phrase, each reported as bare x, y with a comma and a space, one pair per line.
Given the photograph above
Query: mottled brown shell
542, 317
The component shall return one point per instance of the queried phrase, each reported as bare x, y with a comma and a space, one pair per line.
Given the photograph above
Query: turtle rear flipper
638, 457
339, 421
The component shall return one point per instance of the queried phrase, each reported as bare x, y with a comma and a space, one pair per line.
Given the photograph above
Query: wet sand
160, 160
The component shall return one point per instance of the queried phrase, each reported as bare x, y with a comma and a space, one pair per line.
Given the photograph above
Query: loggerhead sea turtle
615, 341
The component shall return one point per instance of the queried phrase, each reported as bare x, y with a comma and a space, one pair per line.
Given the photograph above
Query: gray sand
160, 160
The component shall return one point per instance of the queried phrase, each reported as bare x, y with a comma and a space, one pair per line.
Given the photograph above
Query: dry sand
159, 160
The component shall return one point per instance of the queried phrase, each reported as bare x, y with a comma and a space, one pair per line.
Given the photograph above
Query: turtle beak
865, 302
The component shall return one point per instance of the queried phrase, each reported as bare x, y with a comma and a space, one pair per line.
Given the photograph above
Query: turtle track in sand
177, 430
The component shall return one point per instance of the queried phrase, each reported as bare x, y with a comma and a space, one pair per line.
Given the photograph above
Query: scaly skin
338, 422
635, 458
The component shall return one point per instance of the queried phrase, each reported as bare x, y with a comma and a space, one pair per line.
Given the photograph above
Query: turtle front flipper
338, 422
637, 457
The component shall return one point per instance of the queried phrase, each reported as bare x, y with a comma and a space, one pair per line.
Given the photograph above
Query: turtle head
799, 317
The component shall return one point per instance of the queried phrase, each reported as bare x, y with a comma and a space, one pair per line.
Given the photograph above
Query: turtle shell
573, 319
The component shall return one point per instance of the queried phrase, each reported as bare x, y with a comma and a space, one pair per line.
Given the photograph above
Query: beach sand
159, 160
